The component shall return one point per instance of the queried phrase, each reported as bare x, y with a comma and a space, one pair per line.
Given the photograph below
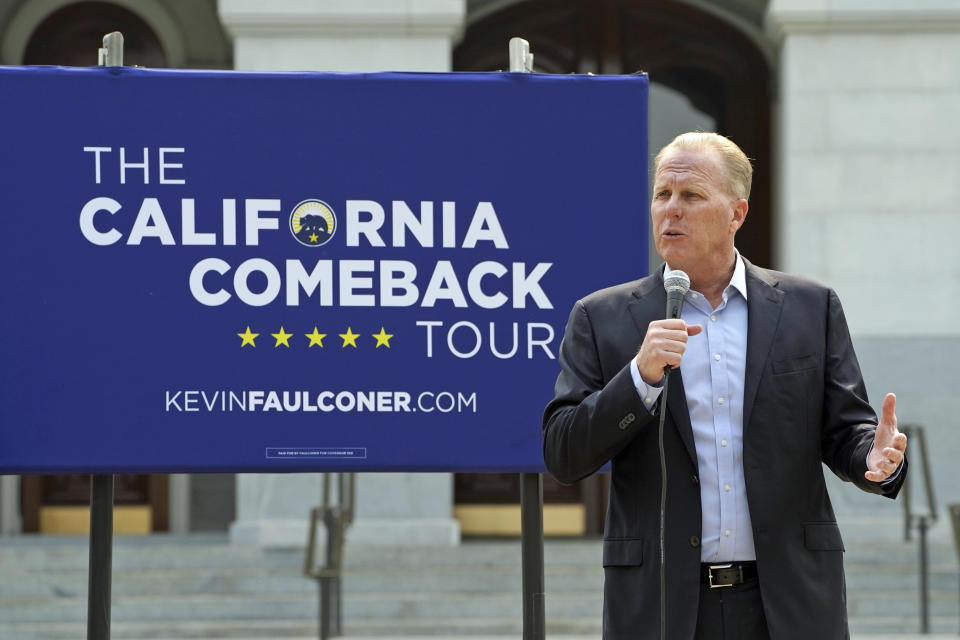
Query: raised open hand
889, 444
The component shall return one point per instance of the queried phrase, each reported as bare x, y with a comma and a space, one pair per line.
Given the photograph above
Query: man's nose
673, 208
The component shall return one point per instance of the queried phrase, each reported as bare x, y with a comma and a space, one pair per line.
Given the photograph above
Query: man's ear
740, 207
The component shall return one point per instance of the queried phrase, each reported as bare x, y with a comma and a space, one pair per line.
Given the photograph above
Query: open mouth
673, 234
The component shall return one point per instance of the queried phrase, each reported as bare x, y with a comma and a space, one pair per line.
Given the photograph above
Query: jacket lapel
764, 304
649, 304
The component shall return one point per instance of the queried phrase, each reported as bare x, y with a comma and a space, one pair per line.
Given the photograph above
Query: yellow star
349, 338
314, 237
282, 338
316, 338
383, 338
247, 337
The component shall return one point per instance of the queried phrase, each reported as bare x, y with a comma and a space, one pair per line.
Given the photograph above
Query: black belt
727, 574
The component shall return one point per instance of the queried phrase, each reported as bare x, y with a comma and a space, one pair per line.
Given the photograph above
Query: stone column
10, 520
869, 154
343, 35
354, 36
179, 514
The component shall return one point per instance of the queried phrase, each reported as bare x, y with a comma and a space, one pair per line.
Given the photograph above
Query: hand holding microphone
666, 340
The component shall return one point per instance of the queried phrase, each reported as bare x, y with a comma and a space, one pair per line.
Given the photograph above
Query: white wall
869, 175
870, 155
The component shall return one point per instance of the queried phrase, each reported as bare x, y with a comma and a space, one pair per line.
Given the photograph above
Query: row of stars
248, 337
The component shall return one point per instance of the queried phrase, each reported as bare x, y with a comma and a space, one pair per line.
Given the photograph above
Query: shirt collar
739, 279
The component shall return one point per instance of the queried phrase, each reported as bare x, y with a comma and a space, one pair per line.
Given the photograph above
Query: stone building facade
847, 106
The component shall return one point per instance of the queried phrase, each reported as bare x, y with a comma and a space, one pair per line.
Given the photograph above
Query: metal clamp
521, 60
111, 53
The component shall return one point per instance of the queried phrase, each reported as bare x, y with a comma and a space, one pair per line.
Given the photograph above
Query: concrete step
169, 552
424, 606
898, 628
300, 629
902, 626
203, 587
249, 580
211, 550
27, 548
418, 605
891, 627
253, 581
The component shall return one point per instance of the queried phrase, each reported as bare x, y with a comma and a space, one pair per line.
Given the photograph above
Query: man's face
694, 214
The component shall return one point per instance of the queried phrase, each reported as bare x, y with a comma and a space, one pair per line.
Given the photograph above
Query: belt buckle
722, 566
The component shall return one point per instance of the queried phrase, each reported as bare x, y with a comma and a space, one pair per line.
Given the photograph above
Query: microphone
677, 283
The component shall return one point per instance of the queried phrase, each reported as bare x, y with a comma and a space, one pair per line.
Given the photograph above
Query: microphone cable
663, 504
676, 283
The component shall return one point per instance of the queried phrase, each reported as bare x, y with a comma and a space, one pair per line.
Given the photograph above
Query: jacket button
695, 479
694, 541
627, 419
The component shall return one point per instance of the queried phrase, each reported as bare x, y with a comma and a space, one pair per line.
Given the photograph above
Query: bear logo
313, 223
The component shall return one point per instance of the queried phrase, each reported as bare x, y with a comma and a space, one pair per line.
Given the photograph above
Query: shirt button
727, 532
694, 295
726, 487
723, 443
713, 318
720, 400
694, 541
647, 399
716, 357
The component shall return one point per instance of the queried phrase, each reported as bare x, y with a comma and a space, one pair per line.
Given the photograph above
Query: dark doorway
60, 503
716, 67
70, 36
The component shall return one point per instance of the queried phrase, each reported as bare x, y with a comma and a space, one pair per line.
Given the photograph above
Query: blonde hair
737, 164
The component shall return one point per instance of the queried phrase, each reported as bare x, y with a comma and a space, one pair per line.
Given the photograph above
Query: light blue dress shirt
714, 366
714, 369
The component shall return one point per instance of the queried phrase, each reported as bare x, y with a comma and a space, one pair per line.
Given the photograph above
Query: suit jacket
804, 403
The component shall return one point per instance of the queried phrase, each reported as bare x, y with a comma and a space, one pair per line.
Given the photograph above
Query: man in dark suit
766, 387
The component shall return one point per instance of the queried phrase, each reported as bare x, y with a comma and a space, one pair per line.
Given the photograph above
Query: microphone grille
676, 281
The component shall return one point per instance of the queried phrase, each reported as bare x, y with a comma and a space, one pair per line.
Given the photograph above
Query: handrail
918, 441
916, 434
954, 511
336, 518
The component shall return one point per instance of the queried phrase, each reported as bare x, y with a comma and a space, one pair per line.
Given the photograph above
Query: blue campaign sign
222, 271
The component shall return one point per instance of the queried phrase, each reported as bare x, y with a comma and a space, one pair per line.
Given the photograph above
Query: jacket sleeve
849, 423
590, 419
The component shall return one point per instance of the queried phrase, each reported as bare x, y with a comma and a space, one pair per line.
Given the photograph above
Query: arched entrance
70, 36
719, 69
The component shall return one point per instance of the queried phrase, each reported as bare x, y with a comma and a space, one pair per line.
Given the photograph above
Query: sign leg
531, 540
101, 557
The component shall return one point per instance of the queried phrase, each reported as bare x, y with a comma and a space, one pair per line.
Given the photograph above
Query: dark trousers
731, 613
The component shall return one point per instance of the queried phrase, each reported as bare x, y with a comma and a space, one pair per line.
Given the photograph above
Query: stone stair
200, 586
